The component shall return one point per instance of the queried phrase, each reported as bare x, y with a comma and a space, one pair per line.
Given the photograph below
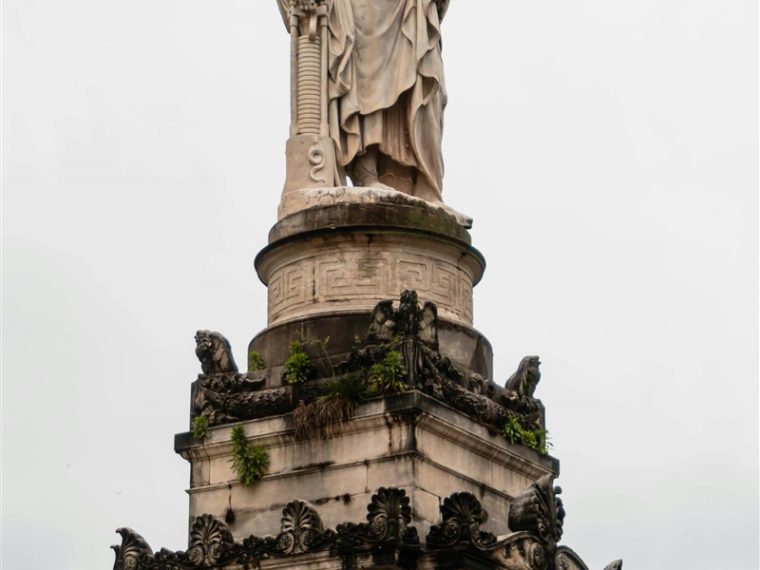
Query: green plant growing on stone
199, 427
255, 362
512, 430
537, 440
388, 376
325, 416
250, 462
298, 365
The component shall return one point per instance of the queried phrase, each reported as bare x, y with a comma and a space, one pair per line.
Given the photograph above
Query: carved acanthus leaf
538, 510
133, 551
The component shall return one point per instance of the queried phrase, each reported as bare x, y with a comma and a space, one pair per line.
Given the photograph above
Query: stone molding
306, 199
334, 272
348, 256
427, 412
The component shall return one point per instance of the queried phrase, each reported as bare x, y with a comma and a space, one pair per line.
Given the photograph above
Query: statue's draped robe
386, 84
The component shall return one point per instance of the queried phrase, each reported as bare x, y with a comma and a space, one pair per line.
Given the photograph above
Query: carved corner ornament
539, 510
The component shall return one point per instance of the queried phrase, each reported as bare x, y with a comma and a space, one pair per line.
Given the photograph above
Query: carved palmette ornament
388, 516
462, 516
210, 541
301, 529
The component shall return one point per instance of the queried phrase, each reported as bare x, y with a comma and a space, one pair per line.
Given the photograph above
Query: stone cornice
415, 409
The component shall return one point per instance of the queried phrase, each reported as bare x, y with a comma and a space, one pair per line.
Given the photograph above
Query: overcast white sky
607, 151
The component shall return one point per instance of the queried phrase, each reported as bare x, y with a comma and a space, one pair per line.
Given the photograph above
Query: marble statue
383, 96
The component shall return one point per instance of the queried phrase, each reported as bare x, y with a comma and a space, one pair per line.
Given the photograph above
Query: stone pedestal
352, 249
335, 253
430, 465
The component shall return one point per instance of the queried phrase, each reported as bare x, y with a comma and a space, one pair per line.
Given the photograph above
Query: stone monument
367, 430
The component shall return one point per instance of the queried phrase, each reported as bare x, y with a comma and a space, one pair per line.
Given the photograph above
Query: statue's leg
364, 170
397, 176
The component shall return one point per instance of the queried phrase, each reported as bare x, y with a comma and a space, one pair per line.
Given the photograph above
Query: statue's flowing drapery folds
386, 88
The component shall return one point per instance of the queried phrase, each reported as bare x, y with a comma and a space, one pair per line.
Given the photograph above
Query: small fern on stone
200, 427
298, 365
537, 440
250, 462
388, 376
255, 362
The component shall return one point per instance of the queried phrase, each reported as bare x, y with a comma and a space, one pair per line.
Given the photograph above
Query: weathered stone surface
310, 209
410, 441
350, 268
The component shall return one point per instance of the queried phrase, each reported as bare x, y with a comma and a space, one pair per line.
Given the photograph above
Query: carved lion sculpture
215, 353
523, 382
